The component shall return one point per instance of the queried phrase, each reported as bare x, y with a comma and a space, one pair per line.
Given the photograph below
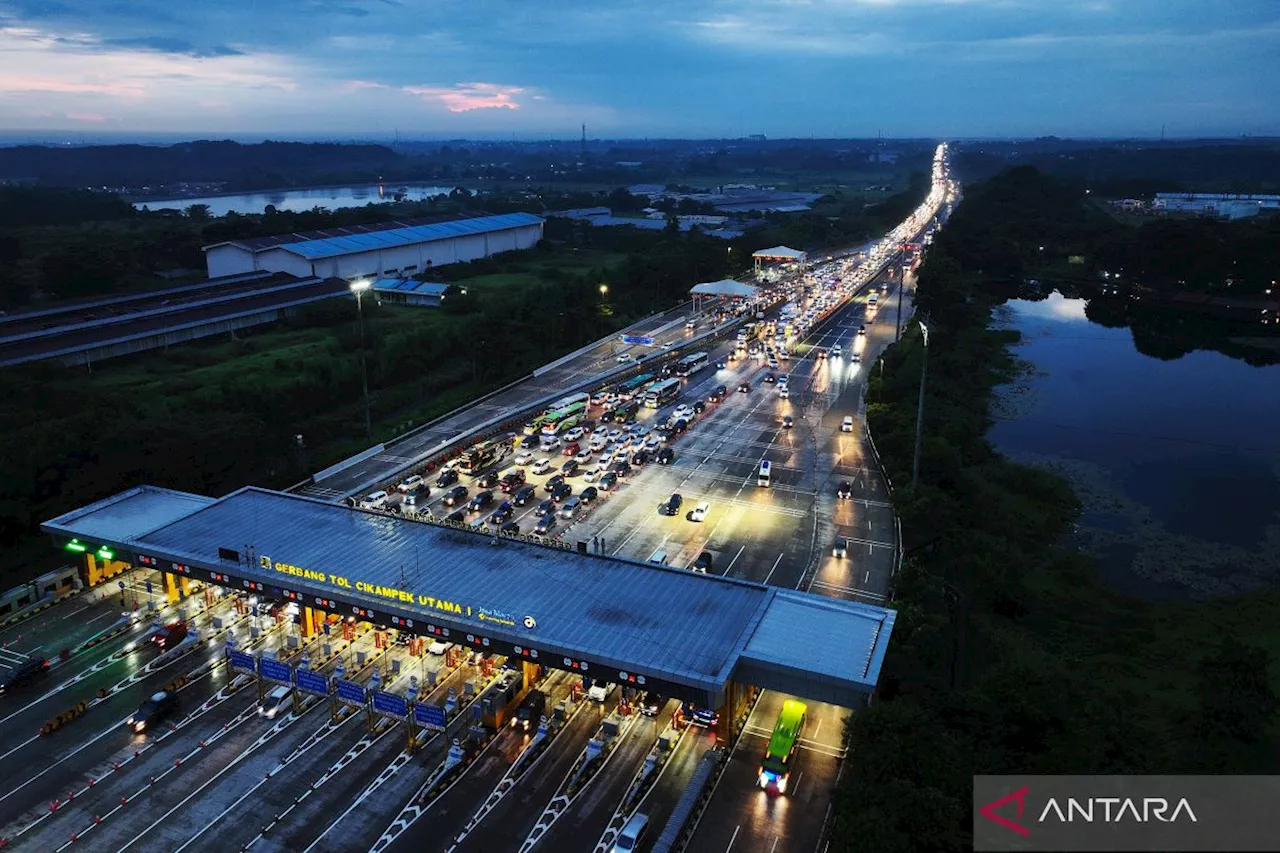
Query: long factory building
686, 635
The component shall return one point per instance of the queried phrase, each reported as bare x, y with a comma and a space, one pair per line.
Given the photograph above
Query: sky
636, 68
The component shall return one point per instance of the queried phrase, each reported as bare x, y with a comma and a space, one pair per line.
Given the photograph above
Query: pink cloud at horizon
464, 97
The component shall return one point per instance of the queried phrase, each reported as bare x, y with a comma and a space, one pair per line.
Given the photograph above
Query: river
301, 199
1177, 462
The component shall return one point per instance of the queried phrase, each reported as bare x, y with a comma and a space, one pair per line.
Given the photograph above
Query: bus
691, 364
568, 401
535, 426
624, 413
633, 385
564, 419
776, 766
476, 459
660, 393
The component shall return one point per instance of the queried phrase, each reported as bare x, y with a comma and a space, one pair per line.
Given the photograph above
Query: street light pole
924, 365
358, 288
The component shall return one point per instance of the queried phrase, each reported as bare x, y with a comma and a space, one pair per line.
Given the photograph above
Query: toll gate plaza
694, 637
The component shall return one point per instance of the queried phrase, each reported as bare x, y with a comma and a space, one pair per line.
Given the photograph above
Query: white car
846, 425
411, 483
638, 431
700, 511
597, 399
783, 392
575, 434
597, 443
624, 357
652, 440
593, 473
836, 351
524, 457
600, 690
542, 466
682, 411
550, 442
600, 431
275, 702
439, 647
615, 434
582, 456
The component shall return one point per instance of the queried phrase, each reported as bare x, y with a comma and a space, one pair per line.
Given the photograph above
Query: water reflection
303, 199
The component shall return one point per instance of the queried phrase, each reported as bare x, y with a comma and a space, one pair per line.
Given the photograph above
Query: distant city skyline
365, 69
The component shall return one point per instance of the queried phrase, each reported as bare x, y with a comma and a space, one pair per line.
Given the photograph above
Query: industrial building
376, 251
408, 291
1219, 205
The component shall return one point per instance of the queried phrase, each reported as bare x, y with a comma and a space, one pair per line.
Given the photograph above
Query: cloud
92, 118
464, 97
161, 44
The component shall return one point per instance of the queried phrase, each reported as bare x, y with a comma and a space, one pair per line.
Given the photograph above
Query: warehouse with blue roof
384, 250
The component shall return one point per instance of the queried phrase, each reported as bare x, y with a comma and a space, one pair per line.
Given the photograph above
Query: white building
388, 249
1220, 205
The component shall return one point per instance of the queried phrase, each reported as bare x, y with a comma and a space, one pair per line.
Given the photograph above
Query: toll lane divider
642, 783
75, 712
123, 624
598, 752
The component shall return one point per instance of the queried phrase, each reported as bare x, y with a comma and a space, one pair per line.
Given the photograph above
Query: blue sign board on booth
243, 661
643, 340
350, 692
277, 671
429, 717
390, 704
311, 682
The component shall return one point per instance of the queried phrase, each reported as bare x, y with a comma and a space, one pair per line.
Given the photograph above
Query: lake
302, 199
1177, 462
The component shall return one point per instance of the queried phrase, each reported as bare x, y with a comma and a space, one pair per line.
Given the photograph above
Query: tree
1234, 691
197, 212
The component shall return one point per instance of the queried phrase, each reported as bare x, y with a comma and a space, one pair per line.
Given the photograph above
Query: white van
632, 834
374, 500
600, 690
762, 479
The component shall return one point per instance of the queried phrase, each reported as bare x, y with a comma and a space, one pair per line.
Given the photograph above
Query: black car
547, 507
844, 490
671, 505
744, 387
569, 468
24, 673
524, 494
606, 417
769, 377
786, 422
545, 524
503, 513
512, 481
666, 456
447, 478
679, 426
699, 407
608, 481
640, 457
529, 442
622, 468
703, 563
481, 500
456, 495
487, 480
154, 710
719, 394
720, 365
562, 491
652, 704
456, 515
511, 528
862, 330
552, 482
589, 494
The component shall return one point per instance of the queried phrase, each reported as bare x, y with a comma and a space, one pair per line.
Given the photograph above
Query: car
682, 411
703, 563
744, 387
600, 431
844, 490
511, 528
408, 484
546, 507
151, 712
600, 690
862, 330
718, 394
529, 442
773, 364
561, 491
699, 512
822, 354
513, 480
855, 357
456, 495
671, 505
447, 477
608, 480
836, 351
597, 443
549, 442
575, 434
784, 392
640, 457
598, 398
786, 422
699, 407
589, 494
652, 704
765, 474
542, 466
502, 514
614, 435
545, 524
439, 647
583, 456
524, 457
487, 480
666, 456
524, 494
621, 468
552, 482
652, 440
592, 474
721, 364
570, 468
23, 673
170, 635
624, 357
571, 507
679, 426
458, 515
276, 701
770, 378
841, 547
690, 324
374, 500
846, 425
480, 501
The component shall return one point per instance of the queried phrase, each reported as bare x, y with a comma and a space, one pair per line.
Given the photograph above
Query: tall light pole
358, 287
924, 365
604, 295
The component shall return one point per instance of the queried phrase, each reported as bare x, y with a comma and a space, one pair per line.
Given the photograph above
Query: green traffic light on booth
105, 553
75, 545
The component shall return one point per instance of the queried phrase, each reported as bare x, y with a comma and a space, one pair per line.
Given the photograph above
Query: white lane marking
735, 559
792, 789
74, 612
736, 830
775, 565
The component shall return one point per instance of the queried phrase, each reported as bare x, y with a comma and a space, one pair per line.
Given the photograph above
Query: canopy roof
724, 287
780, 253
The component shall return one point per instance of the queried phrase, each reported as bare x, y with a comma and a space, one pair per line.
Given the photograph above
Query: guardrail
348, 462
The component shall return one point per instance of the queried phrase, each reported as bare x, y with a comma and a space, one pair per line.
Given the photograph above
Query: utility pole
897, 323
924, 365
359, 287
